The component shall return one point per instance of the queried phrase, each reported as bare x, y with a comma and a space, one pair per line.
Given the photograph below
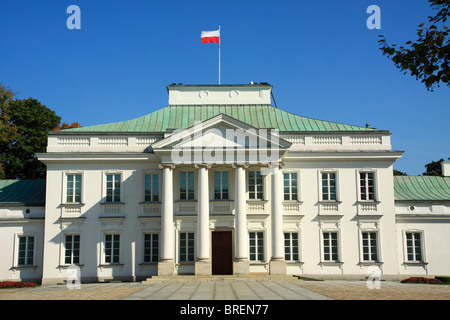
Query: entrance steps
248, 277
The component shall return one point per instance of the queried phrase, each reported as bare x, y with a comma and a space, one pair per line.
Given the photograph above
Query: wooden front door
222, 262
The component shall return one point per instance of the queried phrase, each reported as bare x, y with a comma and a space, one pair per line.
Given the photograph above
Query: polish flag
211, 36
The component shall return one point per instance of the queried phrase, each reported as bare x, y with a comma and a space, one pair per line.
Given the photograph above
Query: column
166, 266
241, 265
203, 263
277, 264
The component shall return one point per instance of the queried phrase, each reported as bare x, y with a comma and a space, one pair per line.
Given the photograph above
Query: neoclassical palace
219, 182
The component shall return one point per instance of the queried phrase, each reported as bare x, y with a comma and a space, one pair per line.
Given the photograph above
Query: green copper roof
421, 188
26, 192
182, 117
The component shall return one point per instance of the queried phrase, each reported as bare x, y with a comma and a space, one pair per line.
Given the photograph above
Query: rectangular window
72, 249
152, 187
186, 247
113, 188
255, 185
291, 246
330, 246
186, 185
221, 185
366, 184
151, 246
73, 188
256, 246
329, 186
26, 251
290, 186
414, 246
370, 246
112, 248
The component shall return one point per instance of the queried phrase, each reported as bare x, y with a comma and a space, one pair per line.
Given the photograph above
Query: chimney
445, 168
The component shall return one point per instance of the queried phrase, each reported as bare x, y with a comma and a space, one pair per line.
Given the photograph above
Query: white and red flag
211, 36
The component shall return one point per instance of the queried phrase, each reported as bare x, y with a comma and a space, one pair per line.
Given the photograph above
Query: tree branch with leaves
427, 58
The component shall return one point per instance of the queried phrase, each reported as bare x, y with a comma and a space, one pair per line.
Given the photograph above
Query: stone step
250, 277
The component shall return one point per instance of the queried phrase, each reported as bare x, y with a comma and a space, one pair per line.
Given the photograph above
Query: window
72, 249
330, 247
255, 185
366, 184
152, 187
329, 186
112, 248
221, 185
186, 247
370, 246
73, 188
291, 246
414, 246
290, 186
113, 188
26, 251
186, 185
256, 246
151, 245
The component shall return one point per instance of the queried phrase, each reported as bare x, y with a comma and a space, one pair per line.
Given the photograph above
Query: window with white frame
255, 185
112, 248
291, 245
367, 186
151, 247
329, 190
256, 246
186, 185
72, 249
26, 251
330, 247
73, 188
370, 246
414, 252
113, 187
290, 186
186, 247
221, 185
151, 187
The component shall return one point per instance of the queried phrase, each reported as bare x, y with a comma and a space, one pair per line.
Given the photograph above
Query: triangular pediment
222, 131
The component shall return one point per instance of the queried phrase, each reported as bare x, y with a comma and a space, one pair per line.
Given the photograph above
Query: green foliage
31, 121
399, 173
444, 279
434, 168
428, 57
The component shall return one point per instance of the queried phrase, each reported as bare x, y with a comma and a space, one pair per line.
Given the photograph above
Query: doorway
222, 255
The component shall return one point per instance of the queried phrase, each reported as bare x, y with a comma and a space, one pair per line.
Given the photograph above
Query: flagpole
220, 38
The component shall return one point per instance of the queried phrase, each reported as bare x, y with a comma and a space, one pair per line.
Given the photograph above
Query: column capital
166, 166
239, 165
279, 164
202, 165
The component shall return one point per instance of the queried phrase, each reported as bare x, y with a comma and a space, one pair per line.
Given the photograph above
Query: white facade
128, 205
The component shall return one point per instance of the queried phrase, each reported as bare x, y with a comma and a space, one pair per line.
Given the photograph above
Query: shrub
16, 284
444, 279
421, 280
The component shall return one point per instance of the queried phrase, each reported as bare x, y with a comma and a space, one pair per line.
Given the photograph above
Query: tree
29, 122
67, 126
434, 168
399, 173
8, 131
428, 58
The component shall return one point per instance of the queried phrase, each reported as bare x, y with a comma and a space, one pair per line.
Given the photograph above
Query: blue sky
320, 57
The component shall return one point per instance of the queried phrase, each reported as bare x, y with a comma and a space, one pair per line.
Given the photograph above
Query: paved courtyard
233, 290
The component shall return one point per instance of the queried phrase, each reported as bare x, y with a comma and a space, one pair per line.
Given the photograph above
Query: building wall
16, 222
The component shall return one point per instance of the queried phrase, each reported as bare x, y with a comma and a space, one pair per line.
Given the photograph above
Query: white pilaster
241, 265
166, 266
277, 264
203, 263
